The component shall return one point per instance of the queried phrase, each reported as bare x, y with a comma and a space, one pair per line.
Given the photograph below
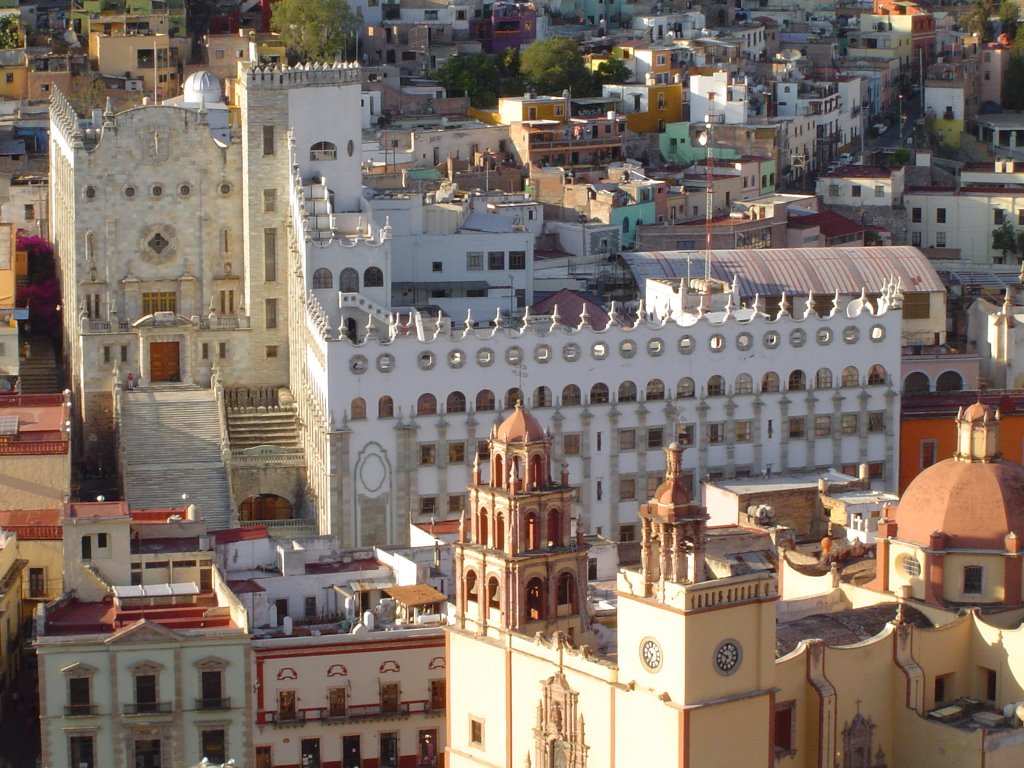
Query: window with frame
428, 454
915, 215
270, 317
80, 694
517, 259
940, 239
476, 732
390, 698
653, 483
269, 200
211, 685
214, 746
685, 435
785, 728
627, 439
915, 238
876, 421
627, 487
428, 505
571, 444
337, 702
655, 437
36, 582
474, 261
627, 533
973, 579
716, 432
849, 423
929, 453
879, 190
82, 751
456, 502
496, 260
940, 215
159, 301
833, 190
797, 427
456, 452
744, 431
822, 425
269, 145
855, 190
943, 688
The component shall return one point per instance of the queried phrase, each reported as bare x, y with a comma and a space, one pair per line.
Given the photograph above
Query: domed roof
202, 86
520, 427
976, 504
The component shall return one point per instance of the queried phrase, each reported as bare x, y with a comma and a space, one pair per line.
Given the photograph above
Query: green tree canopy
1013, 82
977, 19
1004, 239
10, 35
475, 74
315, 30
1009, 12
555, 65
613, 70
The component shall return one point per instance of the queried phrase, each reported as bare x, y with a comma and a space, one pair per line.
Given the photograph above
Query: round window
184, 190
824, 336
599, 350
716, 343
655, 347
542, 353
129, 192
385, 362
157, 190
514, 356
425, 360
851, 334
90, 193
484, 357
357, 364
571, 352
797, 337
771, 340
877, 333
686, 345
456, 358
627, 348
351, 147
225, 189
911, 567
744, 341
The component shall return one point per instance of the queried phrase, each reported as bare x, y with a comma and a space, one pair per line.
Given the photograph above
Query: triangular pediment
143, 631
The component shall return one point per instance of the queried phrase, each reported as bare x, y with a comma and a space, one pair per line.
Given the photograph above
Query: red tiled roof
33, 524
245, 586
829, 223
570, 308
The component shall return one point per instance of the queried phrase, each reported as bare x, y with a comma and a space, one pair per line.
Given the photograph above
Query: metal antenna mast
707, 141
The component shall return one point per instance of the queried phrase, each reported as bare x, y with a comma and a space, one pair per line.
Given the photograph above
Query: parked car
880, 128
845, 159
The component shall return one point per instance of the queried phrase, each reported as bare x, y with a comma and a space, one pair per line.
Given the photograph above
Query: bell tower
518, 566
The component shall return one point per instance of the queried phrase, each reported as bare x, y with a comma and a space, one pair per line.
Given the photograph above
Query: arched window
456, 403
625, 225
716, 386
685, 388
851, 376
876, 374
493, 593
655, 389
498, 472
373, 277
770, 382
823, 378
485, 400
949, 381
599, 393
537, 478
554, 527
541, 397
385, 407
567, 591
512, 396
534, 603
532, 531
571, 395
916, 383
627, 392
471, 594
323, 150
426, 405
744, 384
797, 380
358, 409
499, 531
349, 281
323, 278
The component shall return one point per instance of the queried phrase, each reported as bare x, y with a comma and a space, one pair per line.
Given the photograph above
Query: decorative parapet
317, 73
64, 118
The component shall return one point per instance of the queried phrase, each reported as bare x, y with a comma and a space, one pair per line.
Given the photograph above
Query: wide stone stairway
38, 366
172, 440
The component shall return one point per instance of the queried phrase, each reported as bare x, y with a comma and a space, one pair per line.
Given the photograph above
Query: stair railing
225, 441
117, 398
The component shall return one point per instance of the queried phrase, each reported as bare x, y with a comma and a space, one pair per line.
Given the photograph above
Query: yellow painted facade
517, 109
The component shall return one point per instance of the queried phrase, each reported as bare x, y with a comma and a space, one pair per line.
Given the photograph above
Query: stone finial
525, 322
584, 318
613, 313
809, 309
783, 307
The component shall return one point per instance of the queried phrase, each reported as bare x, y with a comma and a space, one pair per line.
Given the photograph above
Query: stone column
586, 493
784, 402
837, 429
613, 472
730, 437
756, 436
812, 433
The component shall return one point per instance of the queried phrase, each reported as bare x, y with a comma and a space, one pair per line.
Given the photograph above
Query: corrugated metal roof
797, 271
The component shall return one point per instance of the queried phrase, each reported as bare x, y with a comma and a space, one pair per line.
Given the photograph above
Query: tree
10, 34
612, 70
475, 74
315, 30
86, 93
1004, 239
1013, 83
977, 19
1009, 12
555, 65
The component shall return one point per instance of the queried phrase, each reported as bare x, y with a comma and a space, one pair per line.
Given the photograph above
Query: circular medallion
650, 654
728, 656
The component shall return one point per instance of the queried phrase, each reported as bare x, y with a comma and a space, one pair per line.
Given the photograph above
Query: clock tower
519, 566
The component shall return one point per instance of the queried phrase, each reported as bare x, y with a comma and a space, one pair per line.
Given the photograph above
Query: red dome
976, 504
520, 427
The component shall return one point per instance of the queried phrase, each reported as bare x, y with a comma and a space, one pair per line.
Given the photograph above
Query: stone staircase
171, 437
38, 371
270, 422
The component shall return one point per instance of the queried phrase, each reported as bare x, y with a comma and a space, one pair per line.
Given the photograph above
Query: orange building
926, 438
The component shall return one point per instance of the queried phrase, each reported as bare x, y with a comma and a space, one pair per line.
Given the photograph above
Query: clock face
728, 656
650, 654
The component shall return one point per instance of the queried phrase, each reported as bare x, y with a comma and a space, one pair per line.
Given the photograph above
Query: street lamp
901, 118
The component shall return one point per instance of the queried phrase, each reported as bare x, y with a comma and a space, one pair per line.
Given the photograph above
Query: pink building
994, 59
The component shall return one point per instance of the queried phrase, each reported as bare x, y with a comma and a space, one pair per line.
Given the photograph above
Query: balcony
80, 710
148, 708
351, 713
209, 705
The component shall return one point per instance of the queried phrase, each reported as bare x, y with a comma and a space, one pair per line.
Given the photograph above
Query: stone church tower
519, 566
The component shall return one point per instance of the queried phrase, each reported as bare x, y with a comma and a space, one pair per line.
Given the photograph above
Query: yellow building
138, 46
648, 107
14, 74
11, 566
41, 546
517, 109
699, 673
